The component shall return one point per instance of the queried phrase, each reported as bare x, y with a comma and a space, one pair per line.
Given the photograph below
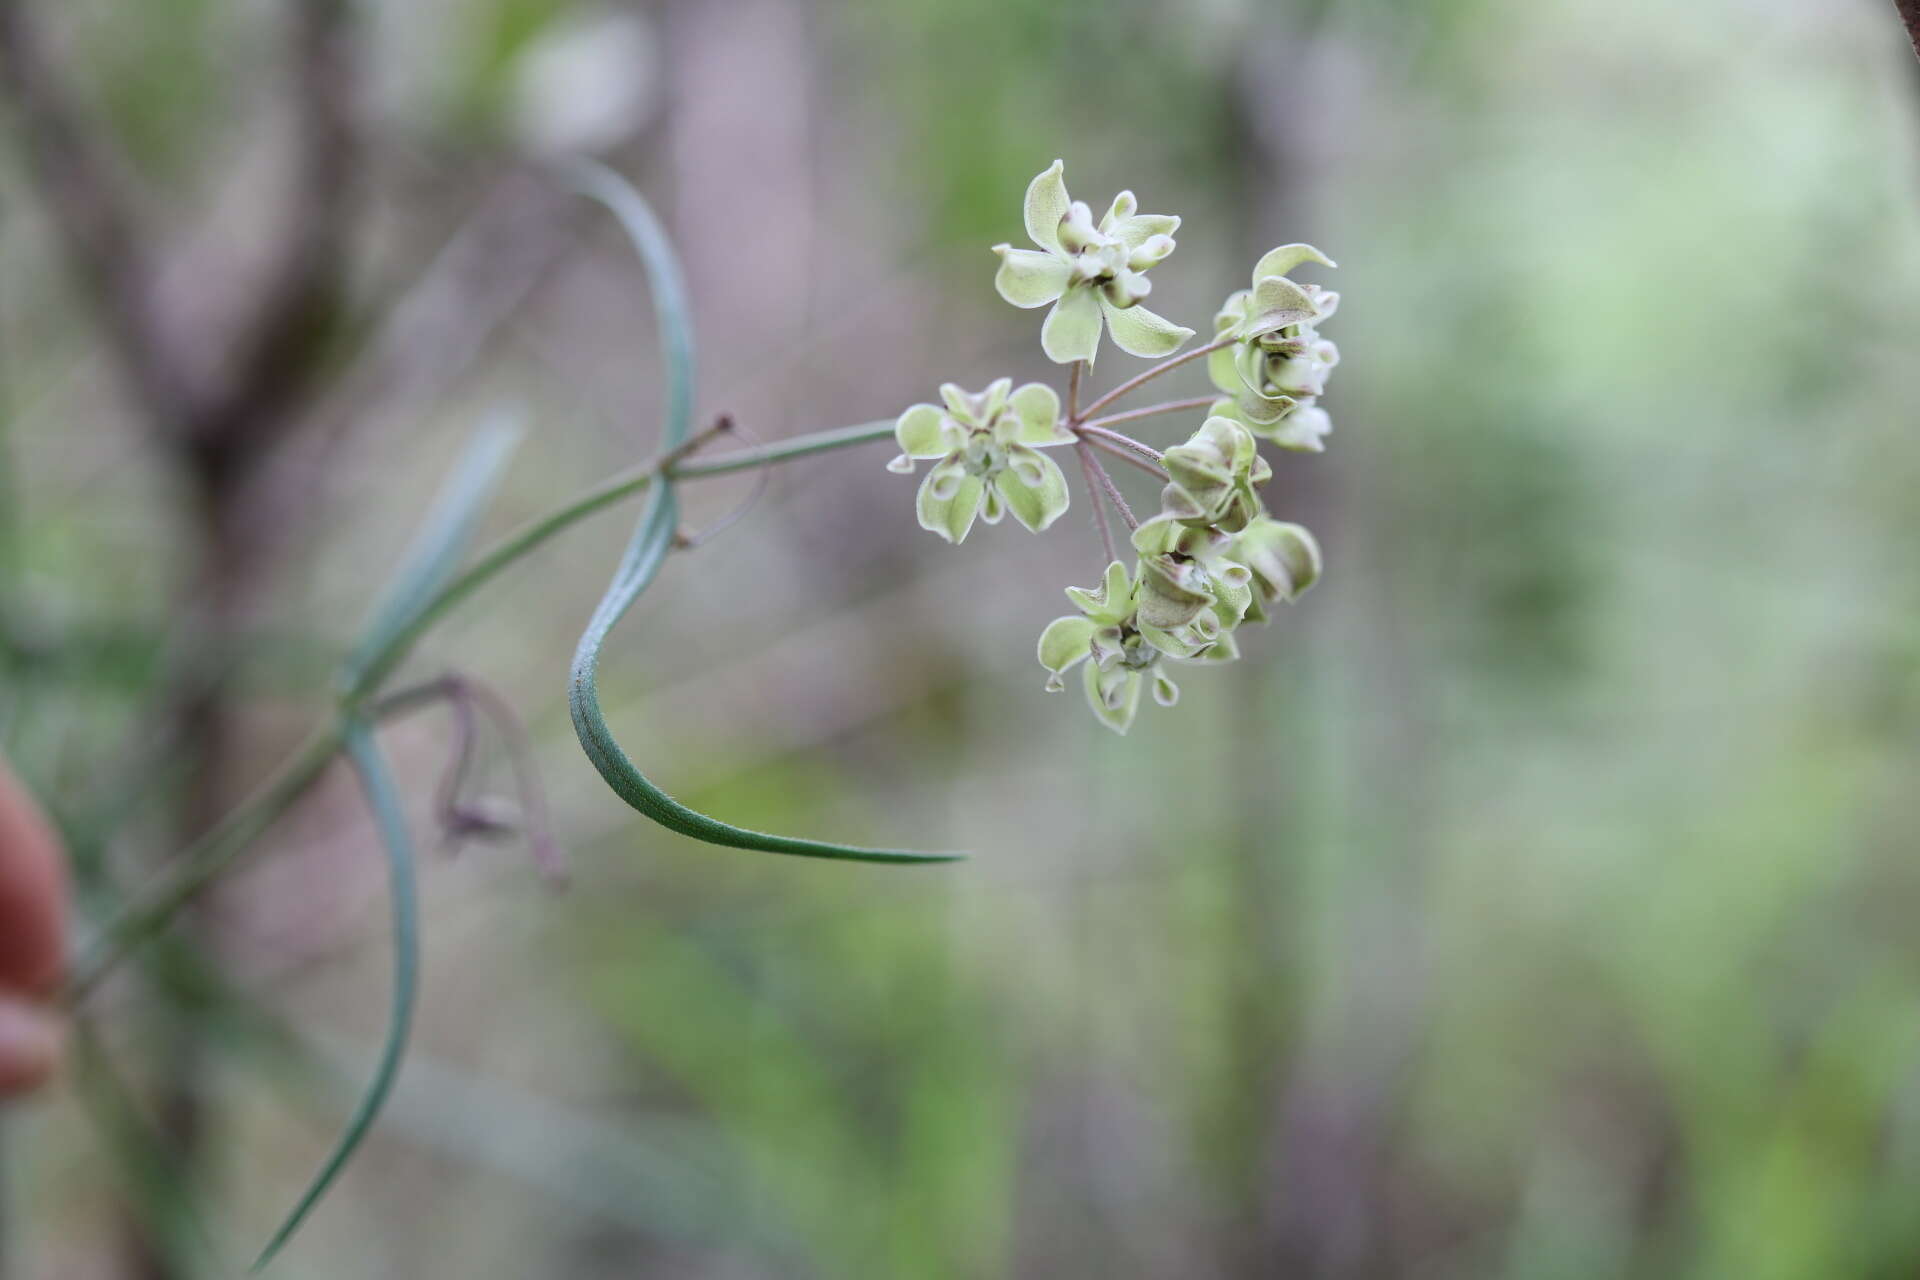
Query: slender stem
1093, 500
782, 451
1910, 14
1152, 410
1073, 390
1121, 455
1112, 490
1122, 441
204, 860
1141, 379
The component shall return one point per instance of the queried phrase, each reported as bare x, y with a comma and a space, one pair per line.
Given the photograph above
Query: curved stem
201, 862
1141, 379
1073, 390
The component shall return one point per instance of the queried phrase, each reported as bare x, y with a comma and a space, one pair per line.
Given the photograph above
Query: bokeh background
1536, 899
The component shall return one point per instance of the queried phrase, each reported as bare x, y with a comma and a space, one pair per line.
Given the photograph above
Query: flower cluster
1210, 558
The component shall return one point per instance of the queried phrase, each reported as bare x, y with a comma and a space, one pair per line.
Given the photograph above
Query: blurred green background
1536, 899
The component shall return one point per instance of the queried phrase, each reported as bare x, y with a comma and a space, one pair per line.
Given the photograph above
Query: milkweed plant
1208, 561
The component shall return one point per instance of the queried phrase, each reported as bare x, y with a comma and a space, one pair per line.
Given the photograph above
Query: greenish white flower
1212, 477
987, 446
1122, 651
1278, 363
1282, 560
1093, 274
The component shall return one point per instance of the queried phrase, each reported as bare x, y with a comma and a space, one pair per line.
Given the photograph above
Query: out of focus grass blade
383, 796
436, 549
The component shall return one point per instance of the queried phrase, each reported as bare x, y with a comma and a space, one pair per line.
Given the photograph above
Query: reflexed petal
1072, 330
1035, 420
1047, 205
901, 465
1277, 302
1224, 649
1281, 261
1140, 332
1065, 642
1136, 229
1165, 691
1232, 314
1325, 303
1114, 696
1029, 278
950, 500
1034, 504
924, 432
1223, 369
1284, 558
1180, 642
1111, 601
1303, 430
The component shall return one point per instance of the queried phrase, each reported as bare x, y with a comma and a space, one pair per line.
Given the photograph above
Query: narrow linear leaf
583, 698
436, 549
383, 797
648, 549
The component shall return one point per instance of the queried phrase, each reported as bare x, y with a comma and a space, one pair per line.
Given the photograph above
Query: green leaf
384, 798
651, 542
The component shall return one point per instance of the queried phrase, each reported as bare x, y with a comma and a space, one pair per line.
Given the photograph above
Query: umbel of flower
1121, 650
1278, 363
1094, 275
1187, 565
988, 464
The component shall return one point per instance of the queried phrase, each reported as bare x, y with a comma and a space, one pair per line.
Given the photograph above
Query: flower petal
1165, 691
1140, 332
1114, 696
1046, 205
1278, 262
1065, 642
1029, 278
1035, 505
949, 500
1277, 302
1072, 330
1035, 420
1303, 430
924, 432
